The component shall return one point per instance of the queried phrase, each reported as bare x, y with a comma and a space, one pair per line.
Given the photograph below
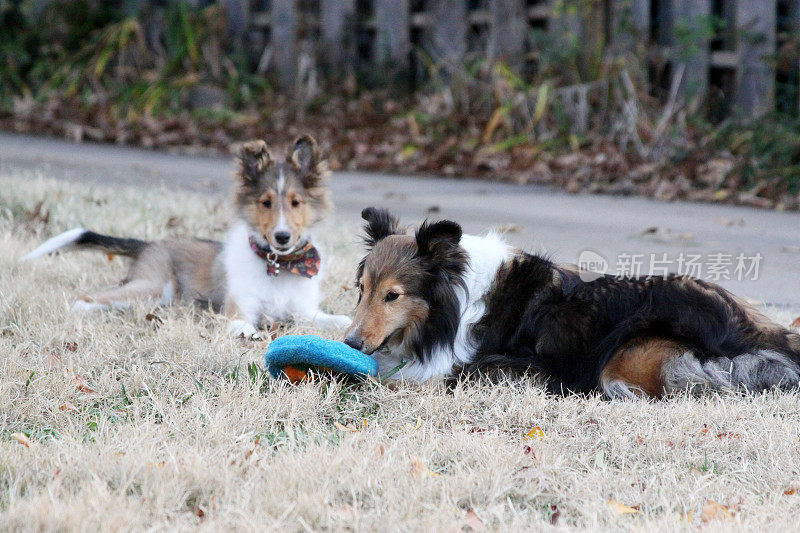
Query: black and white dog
448, 303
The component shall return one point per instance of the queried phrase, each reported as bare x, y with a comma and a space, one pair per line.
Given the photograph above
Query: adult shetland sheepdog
449, 303
266, 269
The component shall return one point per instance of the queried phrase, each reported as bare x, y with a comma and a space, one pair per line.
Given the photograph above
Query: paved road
563, 225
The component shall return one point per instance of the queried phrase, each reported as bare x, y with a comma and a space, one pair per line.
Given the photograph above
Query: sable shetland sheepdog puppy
266, 269
448, 303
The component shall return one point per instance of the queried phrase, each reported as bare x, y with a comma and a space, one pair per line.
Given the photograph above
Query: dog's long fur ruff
277, 204
448, 303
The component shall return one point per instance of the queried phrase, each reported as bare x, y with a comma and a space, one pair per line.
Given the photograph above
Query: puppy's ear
253, 158
305, 154
439, 241
380, 224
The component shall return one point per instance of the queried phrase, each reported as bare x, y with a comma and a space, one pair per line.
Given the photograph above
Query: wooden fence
729, 46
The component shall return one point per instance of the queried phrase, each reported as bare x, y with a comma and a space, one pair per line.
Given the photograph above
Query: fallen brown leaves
474, 521
714, 511
81, 385
535, 433
419, 468
350, 428
68, 406
22, 438
376, 132
621, 509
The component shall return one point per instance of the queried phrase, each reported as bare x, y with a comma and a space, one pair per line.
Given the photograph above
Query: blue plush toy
292, 355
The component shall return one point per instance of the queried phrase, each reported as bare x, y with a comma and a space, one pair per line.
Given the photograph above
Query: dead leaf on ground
154, 318
621, 509
665, 235
713, 511
556, 516
419, 468
527, 450
380, 450
473, 520
349, 427
81, 385
22, 438
412, 429
68, 406
535, 433
173, 222
729, 222
38, 217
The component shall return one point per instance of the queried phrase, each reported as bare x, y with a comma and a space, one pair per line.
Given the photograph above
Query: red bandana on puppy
304, 262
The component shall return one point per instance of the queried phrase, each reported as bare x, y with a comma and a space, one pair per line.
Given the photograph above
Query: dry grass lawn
153, 418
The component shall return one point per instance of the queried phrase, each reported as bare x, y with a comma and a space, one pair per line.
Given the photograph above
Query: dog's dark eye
295, 202
361, 287
391, 296
267, 203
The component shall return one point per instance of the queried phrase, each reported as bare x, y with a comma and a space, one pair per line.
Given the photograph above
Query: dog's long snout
354, 340
282, 237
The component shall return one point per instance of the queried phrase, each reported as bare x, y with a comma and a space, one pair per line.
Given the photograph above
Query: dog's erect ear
439, 240
380, 224
253, 158
305, 154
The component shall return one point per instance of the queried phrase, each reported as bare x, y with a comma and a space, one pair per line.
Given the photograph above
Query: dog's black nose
282, 237
354, 341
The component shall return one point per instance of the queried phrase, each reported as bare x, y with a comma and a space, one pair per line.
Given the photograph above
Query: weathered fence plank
680, 28
237, 13
508, 30
283, 31
756, 25
794, 28
447, 32
337, 28
392, 33
664, 15
729, 24
692, 19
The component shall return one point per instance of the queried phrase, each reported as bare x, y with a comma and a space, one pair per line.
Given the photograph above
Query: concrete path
623, 231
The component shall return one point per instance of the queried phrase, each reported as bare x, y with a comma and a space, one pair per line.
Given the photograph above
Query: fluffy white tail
64, 240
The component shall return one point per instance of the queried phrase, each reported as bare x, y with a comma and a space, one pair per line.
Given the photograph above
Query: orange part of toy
295, 375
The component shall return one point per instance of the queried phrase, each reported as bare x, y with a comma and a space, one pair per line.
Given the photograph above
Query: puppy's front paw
83, 306
242, 328
332, 321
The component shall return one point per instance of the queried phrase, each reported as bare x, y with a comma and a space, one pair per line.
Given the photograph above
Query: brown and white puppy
266, 269
447, 303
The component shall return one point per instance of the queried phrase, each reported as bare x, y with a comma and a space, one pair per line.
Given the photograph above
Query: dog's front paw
332, 321
83, 307
242, 328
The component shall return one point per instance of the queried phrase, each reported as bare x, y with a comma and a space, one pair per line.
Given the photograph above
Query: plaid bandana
303, 262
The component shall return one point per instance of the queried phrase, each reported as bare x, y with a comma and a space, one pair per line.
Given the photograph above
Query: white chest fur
486, 256
259, 295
